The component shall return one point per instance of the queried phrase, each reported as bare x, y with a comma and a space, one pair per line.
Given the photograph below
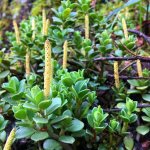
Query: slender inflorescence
65, 47
10, 139
33, 28
44, 20
46, 27
116, 74
48, 69
86, 26
139, 68
27, 63
124, 25
16, 31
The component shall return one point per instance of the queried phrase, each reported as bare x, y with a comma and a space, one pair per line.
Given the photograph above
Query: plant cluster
55, 94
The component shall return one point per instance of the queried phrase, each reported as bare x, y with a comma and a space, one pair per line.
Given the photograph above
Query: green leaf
56, 103
4, 74
145, 118
75, 125
128, 142
67, 82
39, 97
83, 94
44, 104
3, 136
143, 129
66, 13
56, 19
35, 91
8, 88
146, 111
51, 144
131, 105
67, 139
24, 132
40, 120
20, 114
17, 96
59, 118
80, 85
30, 106
114, 12
133, 91
141, 88
131, 2
134, 82
146, 97
90, 120
14, 83
38, 136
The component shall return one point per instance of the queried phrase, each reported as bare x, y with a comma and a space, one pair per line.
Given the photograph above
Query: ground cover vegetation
74, 75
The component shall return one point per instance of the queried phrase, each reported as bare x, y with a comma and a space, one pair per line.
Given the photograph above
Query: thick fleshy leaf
4, 74
56, 103
143, 129
20, 114
59, 119
44, 104
75, 125
40, 120
38, 136
67, 82
51, 144
128, 142
146, 97
24, 132
67, 139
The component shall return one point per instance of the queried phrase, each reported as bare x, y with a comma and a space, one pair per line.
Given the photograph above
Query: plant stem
77, 111
39, 146
125, 127
144, 59
128, 77
110, 141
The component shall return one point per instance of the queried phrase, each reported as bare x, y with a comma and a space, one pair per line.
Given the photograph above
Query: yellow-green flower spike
124, 25
116, 74
10, 139
86, 26
47, 72
33, 28
65, 47
43, 20
46, 27
139, 68
27, 63
16, 31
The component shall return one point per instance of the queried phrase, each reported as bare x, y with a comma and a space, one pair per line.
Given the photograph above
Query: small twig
144, 59
145, 37
119, 109
39, 146
128, 77
127, 67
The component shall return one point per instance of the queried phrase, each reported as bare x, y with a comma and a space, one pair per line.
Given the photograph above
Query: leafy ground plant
75, 76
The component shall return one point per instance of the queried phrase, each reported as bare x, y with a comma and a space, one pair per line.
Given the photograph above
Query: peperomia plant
127, 114
51, 102
59, 116
97, 119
